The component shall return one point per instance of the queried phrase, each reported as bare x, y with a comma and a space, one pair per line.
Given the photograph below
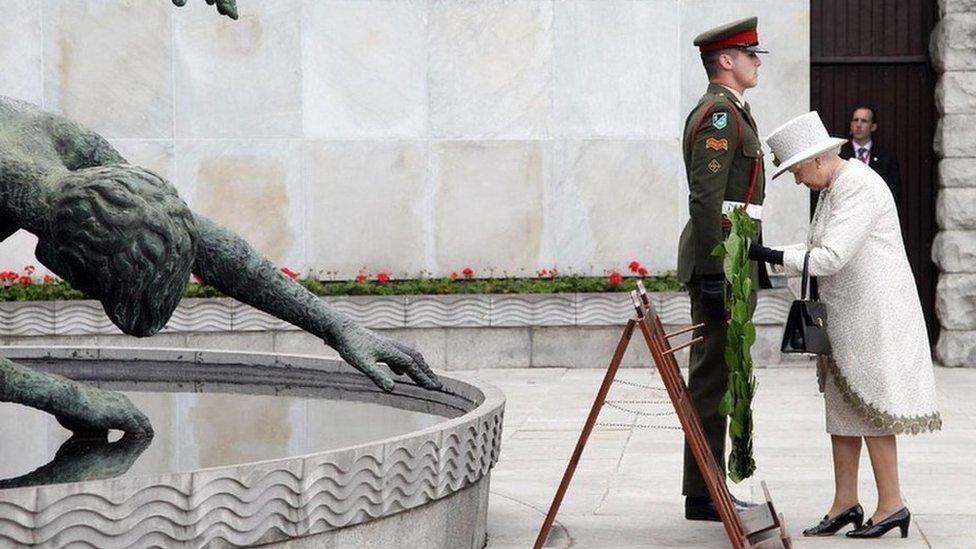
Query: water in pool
195, 431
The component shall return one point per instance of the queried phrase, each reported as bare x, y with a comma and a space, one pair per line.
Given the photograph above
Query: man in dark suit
865, 148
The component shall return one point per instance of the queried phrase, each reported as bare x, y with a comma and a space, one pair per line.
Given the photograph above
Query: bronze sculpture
122, 235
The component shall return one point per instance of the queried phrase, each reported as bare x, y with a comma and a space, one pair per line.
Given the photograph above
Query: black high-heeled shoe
900, 519
829, 526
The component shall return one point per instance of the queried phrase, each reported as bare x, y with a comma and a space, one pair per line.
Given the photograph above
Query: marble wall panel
108, 65
21, 60
364, 68
487, 204
609, 75
17, 251
783, 91
253, 188
238, 78
613, 202
370, 206
490, 69
154, 155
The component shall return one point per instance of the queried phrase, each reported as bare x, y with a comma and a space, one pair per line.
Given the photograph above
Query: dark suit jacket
882, 162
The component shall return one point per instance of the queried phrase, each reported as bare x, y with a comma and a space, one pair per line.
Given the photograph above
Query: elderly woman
878, 381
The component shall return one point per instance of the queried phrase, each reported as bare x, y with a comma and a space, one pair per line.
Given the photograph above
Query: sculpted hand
363, 348
92, 412
224, 7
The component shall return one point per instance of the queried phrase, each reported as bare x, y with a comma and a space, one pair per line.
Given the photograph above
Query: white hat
800, 139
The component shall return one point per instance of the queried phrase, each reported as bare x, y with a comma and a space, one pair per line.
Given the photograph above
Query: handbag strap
806, 276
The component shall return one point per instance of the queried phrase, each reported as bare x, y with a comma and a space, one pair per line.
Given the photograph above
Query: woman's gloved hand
758, 252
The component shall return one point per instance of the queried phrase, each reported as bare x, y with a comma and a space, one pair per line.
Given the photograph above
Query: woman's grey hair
122, 235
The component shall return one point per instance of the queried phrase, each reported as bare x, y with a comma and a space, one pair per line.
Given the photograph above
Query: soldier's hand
713, 296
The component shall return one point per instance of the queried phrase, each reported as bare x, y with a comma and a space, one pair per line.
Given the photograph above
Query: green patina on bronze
122, 235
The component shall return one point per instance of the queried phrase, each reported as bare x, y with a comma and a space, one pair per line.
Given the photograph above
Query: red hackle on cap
744, 38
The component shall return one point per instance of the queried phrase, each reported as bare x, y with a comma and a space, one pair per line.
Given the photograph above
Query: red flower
542, 273
8, 276
642, 271
553, 272
289, 273
48, 279
615, 278
29, 269
634, 266
196, 279
468, 272
25, 280
454, 275
382, 277
361, 277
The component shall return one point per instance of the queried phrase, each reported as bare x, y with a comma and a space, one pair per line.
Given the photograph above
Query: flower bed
24, 286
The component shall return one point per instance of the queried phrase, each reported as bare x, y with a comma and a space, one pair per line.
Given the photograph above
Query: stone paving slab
625, 493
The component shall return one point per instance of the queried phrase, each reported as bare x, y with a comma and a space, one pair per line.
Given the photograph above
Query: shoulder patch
720, 120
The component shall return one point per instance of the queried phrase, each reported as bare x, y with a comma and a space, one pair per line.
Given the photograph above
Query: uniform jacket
882, 162
723, 156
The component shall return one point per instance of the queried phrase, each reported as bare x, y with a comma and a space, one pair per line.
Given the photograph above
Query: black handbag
806, 325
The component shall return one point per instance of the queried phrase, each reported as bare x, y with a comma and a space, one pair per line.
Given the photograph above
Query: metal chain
639, 386
612, 404
638, 426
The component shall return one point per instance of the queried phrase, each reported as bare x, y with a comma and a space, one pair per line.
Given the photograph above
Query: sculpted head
122, 235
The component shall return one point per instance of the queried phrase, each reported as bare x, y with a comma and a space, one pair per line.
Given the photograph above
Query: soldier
723, 162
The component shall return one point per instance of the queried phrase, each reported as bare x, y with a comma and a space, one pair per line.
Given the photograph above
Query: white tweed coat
880, 350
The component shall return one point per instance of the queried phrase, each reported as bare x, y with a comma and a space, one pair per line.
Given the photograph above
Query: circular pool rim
265, 501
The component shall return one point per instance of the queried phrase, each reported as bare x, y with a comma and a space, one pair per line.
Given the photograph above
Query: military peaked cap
739, 34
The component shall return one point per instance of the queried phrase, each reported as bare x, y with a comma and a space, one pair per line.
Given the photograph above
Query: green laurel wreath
741, 334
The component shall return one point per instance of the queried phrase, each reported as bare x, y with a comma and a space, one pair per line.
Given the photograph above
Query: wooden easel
758, 527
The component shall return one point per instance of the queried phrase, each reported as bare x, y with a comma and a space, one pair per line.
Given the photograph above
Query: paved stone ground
625, 492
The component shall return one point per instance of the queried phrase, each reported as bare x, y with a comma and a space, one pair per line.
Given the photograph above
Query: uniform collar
736, 97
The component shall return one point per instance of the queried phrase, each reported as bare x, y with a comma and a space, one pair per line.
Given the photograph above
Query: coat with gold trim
723, 157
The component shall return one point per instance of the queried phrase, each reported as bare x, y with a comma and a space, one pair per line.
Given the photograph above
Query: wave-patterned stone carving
533, 310
201, 315
82, 318
772, 308
262, 502
373, 312
453, 311
449, 311
27, 319
603, 309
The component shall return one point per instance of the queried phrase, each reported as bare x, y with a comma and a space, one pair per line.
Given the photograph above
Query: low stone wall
455, 332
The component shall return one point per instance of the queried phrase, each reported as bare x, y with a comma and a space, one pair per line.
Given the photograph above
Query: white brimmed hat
800, 139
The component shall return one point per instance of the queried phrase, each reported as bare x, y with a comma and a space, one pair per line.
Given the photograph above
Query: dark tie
862, 155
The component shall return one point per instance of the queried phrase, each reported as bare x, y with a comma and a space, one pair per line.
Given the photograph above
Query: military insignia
720, 120
717, 144
714, 166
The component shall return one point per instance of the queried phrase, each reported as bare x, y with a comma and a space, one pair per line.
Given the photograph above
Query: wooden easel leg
601, 396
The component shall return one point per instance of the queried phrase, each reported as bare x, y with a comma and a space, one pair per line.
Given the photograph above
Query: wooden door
876, 52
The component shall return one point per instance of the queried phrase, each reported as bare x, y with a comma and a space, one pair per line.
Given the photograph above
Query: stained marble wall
409, 135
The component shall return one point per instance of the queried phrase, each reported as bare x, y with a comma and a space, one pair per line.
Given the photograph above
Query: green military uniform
723, 163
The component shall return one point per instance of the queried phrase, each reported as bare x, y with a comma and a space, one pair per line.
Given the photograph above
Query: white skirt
842, 418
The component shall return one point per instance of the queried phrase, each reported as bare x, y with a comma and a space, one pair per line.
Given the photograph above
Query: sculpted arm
228, 263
